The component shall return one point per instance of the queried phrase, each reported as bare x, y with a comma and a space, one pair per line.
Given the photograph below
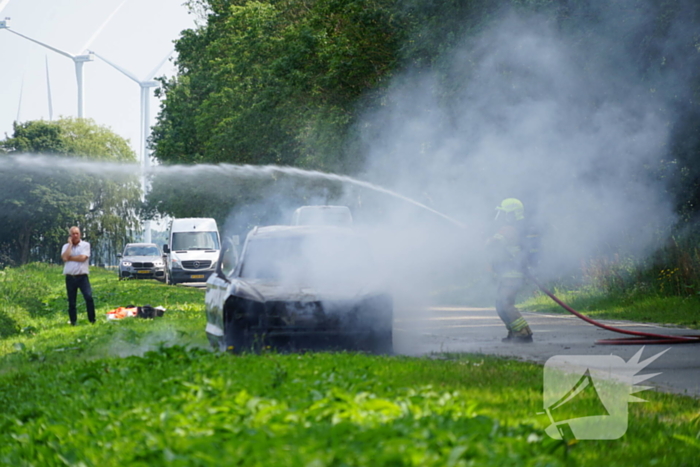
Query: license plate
197, 276
144, 272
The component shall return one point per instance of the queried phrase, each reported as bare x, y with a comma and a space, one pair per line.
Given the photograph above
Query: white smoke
564, 123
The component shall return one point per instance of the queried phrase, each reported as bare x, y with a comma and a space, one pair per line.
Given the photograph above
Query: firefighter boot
521, 332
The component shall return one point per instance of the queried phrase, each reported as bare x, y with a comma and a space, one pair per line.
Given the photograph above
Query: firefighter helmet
512, 208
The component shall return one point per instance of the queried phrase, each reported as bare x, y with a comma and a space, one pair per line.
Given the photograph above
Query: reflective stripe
214, 330
518, 325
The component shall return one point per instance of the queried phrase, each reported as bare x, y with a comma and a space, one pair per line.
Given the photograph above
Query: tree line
287, 81
41, 198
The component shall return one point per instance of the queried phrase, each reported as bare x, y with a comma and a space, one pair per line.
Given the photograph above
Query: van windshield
195, 241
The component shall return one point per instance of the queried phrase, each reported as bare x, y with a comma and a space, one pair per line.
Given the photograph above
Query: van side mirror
166, 248
119, 255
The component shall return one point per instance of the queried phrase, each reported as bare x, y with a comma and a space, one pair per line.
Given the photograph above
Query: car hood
142, 259
265, 291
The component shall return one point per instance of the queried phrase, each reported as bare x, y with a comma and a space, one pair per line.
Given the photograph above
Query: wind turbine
48, 89
19, 105
79, 60
146, 84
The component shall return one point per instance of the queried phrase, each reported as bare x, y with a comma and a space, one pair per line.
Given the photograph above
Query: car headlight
126, 263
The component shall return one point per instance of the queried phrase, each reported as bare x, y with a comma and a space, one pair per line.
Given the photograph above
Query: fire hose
639, 337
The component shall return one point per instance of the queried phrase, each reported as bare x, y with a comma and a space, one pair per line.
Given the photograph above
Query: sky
134, 34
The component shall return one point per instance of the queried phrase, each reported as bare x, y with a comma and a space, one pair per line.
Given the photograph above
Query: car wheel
240, 340
243, 340
381, 343
379, 319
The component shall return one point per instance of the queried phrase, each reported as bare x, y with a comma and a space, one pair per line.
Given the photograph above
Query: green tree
42, 195
270, 82
274, 82
286, 81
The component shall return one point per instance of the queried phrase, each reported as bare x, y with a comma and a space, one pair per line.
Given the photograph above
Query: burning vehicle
297, 288
322, 215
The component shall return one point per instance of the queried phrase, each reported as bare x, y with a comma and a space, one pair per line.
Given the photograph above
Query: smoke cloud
565, 121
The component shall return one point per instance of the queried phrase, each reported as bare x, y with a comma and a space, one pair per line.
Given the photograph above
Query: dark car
299, 287
141, 261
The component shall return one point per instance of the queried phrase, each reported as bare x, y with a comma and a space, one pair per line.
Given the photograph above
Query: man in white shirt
76, 255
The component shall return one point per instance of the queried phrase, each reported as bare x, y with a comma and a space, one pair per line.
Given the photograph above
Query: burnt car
141, 261
297, 288
322, 215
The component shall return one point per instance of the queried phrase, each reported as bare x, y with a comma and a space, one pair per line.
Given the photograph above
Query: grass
149, 392
645, 308
34, 313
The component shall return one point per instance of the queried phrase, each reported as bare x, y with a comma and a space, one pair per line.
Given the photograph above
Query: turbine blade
118, 68
99, 30
3, 4
635, 399
155, 70
48, 87
19, 105
59, 51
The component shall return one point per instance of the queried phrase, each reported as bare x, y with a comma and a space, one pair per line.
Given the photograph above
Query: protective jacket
508, 257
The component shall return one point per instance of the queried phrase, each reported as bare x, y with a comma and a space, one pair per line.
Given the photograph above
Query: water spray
248, 171
115, 168
271, 170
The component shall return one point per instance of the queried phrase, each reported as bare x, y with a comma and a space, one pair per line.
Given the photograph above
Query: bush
673, 270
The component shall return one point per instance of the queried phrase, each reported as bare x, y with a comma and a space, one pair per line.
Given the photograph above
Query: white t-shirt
77, 267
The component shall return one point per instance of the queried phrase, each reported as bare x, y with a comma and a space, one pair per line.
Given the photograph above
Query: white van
192, 250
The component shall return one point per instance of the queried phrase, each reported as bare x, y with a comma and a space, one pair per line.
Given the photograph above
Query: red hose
640, 337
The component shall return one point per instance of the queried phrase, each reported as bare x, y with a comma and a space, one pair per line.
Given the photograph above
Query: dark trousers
505, 306
82, 282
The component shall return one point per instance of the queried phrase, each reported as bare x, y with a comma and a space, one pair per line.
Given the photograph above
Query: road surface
479, 330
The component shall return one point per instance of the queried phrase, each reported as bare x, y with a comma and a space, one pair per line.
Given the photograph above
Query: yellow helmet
513, 208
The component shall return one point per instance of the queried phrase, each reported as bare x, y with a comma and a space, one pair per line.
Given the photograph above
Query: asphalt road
479, 330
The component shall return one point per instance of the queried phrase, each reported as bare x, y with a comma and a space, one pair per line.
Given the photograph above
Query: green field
150, 392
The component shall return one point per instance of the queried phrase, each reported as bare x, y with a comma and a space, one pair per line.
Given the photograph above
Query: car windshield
307, 260
195, 241
141, 251
324, 216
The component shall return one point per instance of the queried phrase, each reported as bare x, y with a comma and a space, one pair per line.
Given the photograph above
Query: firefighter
509, 263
